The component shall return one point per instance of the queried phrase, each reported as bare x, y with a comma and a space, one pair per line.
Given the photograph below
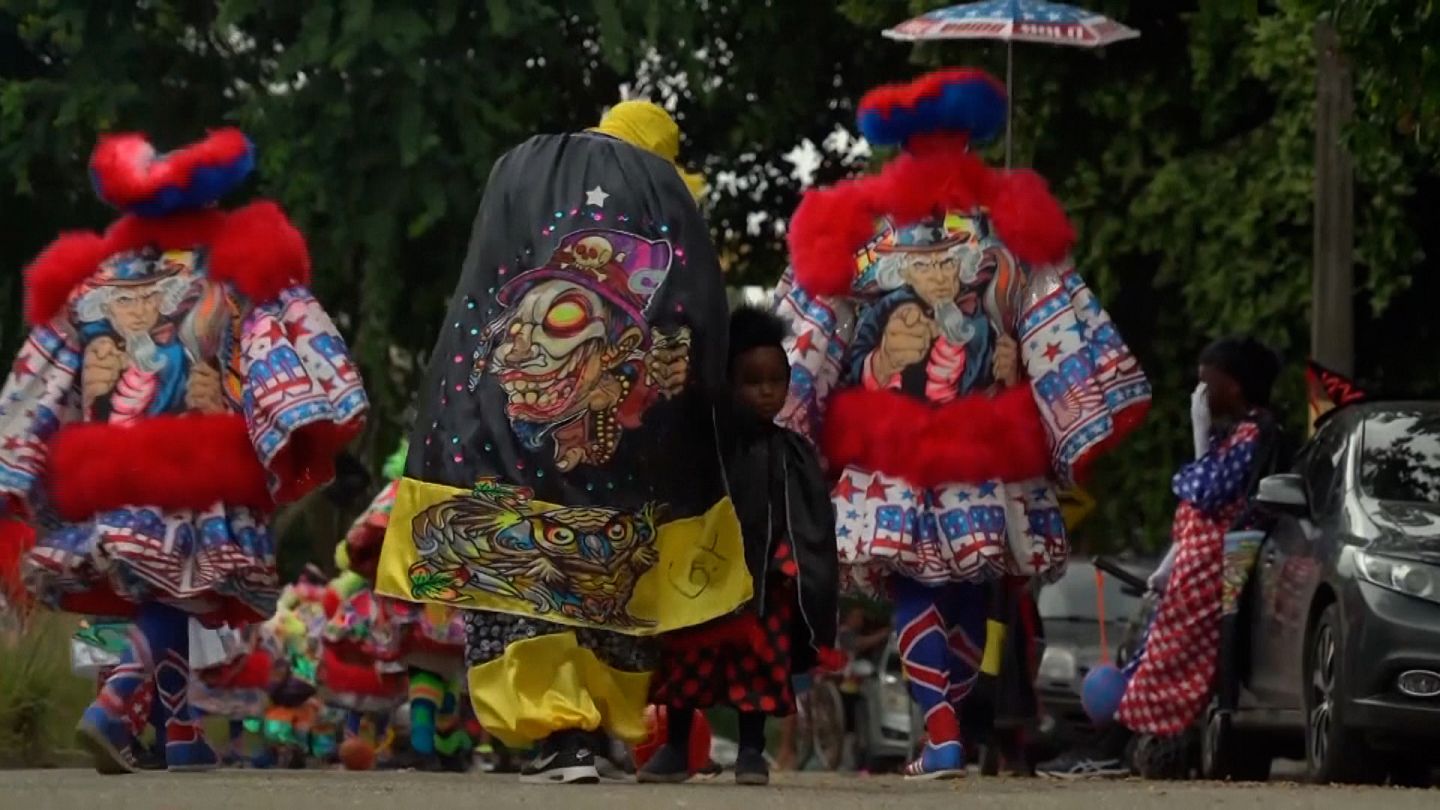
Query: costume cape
564, 473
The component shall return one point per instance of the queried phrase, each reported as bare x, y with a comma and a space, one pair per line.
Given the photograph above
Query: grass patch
40, 698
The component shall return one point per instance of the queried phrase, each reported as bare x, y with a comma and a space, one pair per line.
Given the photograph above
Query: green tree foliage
1184, 156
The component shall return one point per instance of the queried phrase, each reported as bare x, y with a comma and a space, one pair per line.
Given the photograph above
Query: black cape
589, 267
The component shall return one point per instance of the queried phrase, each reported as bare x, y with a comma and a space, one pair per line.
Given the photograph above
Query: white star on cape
596, 197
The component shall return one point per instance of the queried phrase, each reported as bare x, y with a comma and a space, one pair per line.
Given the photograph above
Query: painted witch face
554, 351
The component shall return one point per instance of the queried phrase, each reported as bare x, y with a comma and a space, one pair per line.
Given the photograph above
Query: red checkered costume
1173, 680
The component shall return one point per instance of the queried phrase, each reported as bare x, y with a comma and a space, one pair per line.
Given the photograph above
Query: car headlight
1058, 666
1402, 576
894, 698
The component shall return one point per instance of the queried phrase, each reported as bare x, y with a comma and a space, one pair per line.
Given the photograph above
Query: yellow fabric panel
550, 683
699, 574
994, 646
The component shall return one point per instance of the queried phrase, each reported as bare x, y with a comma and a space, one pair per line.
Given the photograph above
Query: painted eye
616, 531
560, 536
568, 316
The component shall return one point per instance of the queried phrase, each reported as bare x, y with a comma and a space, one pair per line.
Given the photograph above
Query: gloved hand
1200, 420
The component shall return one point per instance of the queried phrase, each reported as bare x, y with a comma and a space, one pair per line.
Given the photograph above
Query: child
1176, 670
746, 660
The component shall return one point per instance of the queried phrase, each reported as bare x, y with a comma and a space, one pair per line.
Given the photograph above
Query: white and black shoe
564, 759
1080, 766
612, 759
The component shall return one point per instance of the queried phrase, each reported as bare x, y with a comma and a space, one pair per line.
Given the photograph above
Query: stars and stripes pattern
816, 344
1085, 377
1018, 20
1172, 679
216, 560
956, 533
297, 370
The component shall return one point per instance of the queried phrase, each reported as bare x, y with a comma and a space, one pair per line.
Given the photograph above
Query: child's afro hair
753, 328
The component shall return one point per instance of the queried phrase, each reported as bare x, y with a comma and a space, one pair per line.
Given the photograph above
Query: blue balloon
1100, 693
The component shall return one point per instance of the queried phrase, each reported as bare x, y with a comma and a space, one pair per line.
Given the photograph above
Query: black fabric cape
779, 491
571, 224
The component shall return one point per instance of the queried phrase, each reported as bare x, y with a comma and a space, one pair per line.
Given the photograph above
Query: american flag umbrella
1014, 21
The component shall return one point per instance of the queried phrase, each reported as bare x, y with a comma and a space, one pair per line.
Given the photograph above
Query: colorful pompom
127, 172
958, 101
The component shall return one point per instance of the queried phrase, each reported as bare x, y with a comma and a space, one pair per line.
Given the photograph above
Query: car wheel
1333, 753
1228, 755
827, 724
1164, 758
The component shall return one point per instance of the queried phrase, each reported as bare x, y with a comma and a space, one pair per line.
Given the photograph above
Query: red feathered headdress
934, 118
170, 203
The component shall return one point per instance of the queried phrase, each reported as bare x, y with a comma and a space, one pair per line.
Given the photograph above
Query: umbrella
1012, 21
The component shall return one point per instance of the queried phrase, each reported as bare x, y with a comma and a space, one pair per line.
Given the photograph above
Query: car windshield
1073, 597
1400, 457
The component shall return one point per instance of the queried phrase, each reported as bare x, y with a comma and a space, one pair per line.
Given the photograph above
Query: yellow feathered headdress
646, 125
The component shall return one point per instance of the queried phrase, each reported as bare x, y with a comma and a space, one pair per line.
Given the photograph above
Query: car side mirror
1283, 494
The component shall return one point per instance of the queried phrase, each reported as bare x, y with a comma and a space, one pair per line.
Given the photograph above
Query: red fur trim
342, 675
176, 232
936, 174
171, 462
252, 671
130, 171
308, 460
259, 252
16, 538
49, 279
976, 438
1124, 422
330, 602
1030, 220
254, 248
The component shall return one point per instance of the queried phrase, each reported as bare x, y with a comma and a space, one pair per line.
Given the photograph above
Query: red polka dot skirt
749, 667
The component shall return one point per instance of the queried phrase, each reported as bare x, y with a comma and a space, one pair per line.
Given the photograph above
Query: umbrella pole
1009, 97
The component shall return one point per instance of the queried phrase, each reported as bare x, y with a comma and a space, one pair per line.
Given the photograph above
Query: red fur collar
255, 249
935, 174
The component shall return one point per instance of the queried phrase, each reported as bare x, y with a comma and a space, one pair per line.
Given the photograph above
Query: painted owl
579, 562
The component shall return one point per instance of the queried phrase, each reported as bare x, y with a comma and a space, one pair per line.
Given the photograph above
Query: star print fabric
1172, 680
1213, 481
956, 533
1089, 390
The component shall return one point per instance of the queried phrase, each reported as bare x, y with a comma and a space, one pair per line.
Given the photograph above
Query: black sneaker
1082, 766
564, 759
612, 760
668, 766
712, 770
751, 768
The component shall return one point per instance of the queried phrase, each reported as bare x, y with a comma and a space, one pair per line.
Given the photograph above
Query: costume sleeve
819, 333
369, 528
303, 397
1219, 477
1089, 387
38, 398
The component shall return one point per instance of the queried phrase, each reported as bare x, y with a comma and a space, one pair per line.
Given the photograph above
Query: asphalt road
330, 790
